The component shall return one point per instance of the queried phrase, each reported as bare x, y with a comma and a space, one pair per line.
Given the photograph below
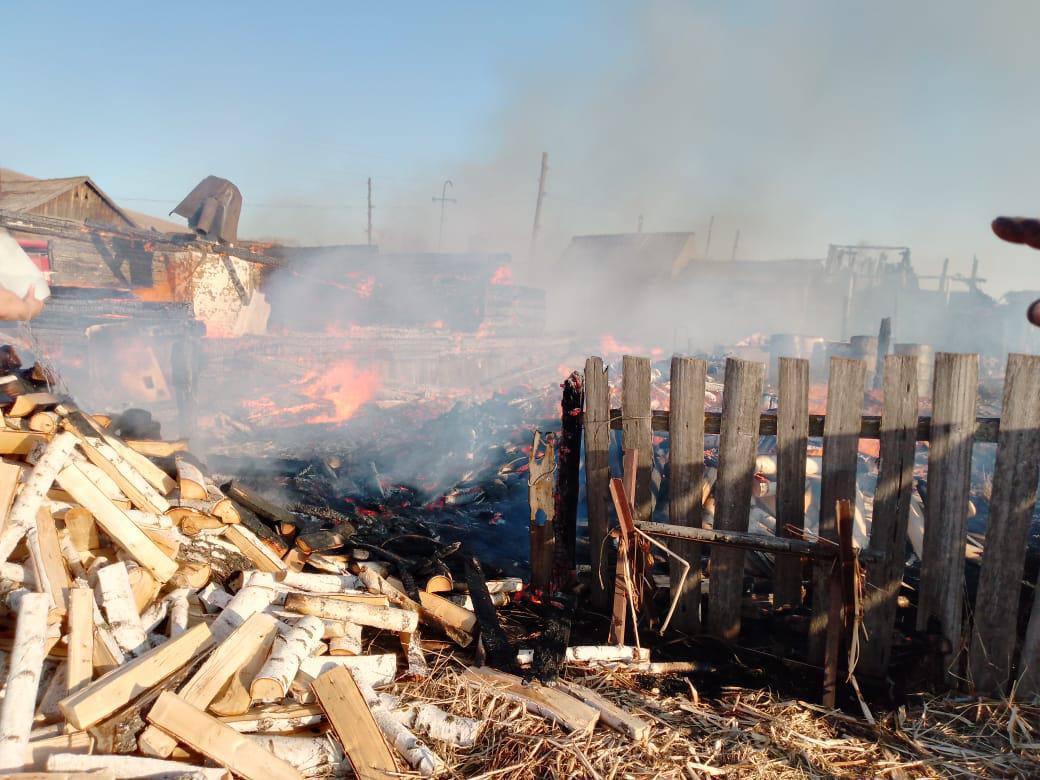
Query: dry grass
742, 733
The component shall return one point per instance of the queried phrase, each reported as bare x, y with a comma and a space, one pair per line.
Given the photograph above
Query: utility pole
543, 176
707, 244
443, 200
370, 211
639, 226
736, 243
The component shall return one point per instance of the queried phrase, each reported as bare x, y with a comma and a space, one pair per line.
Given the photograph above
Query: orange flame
343, 386
503, 275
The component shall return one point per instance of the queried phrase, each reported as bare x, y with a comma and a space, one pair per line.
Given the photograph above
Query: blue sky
800, 123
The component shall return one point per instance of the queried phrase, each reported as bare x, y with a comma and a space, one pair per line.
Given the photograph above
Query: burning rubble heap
166, 621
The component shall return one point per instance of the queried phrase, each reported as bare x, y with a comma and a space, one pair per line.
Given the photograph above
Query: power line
251, 204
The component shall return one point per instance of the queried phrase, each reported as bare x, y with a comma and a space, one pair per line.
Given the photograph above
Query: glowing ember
344, 386
503, 275
366, 286
611, 346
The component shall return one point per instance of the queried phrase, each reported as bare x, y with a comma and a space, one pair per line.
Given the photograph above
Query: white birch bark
320, 583
347, 644
130, 767
178, 611
23, 679
117, 600
276, 675
255, 596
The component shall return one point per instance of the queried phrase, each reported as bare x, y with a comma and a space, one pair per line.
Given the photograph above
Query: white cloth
17, 272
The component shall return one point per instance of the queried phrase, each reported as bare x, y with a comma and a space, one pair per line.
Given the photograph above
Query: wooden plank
792, 436
1010, 513
79, 664
217, 742
597, 477
845, 387
685, 475
635, 403
738, 446
352, 721
839, 601
550, 703
891, 512
870, 425
157, 449
51, 559
117, 524
112, 691
614, 716
956, 380
749, 541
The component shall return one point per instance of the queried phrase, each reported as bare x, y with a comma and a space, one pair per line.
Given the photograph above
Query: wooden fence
982, 654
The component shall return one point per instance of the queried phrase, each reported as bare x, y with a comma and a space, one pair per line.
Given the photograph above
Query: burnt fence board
985, 431
1029, 660
597, 475
685, 478
845, 386
792, 436
636, 433
738, 446
956, 378
891, 511
1010, 513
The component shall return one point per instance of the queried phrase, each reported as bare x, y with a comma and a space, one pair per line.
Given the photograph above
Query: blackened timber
320, 541
263, 531
870, 427
568, 478
501, 654
263, 508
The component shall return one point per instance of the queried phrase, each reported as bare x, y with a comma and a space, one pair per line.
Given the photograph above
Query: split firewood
219, 743
216, 504
212, 676
255, 549
178, 599
40, 749
412, 749
373, 670
354, 725
154, 449
255, 596
320, 541
107, 694
319, 583
10, 474
48, 562
44, 422
23, 679
413, 653
190, 479
442, 726
456, 622
507, 585
79, 663
347, 643
277, 674
132, 767
313, 756
611, 714
82, 529
34, 491
275, 719
117, 601
27, 404
191, 522
549, 703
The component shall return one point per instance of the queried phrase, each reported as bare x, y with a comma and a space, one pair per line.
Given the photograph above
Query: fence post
635, 428
949, 478
597, 476
686, 475
738, 444
1010, 513
891, 511
841, 429
792, 436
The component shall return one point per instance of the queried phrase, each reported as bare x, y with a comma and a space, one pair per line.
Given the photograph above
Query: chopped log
374, 670
256, 550
48, 562
439, 583
275, 719
738, 445
456, 622
388, 618
685, 477
178, 599
235, 698
44, 422
34, 491
79, 665
442, 726
320, 541
23, 678
18, 574
82, 529
946, 511
27, 404
614, 716
313, 756
349, 642
122, 530
255, 596
39, 750
190, 479
134, 767
191, 521
226, 659
792, 437
415, 753
354, 725
117, 601
549, 703
107, 694
151, 448
191, 575
319, 583
273, 681
21, 442
217, 742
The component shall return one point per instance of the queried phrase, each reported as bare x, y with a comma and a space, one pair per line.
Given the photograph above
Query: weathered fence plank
686, 474
955, 387
738, 445
597, 476
636, 435
1029, 660
845, 387
891, 511
1010, 514
792, 436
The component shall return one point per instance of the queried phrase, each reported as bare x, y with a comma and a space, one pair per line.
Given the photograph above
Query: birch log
178, 611
255, 596
350, 641
313, 756
437, 724
117, 600
373, 670
277, 674
23, 514
192, 483
319, 583
387, 618
23, 679
131, 767
412, 749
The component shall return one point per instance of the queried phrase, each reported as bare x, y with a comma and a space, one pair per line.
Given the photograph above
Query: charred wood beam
985, 427
501, 654
568, 478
